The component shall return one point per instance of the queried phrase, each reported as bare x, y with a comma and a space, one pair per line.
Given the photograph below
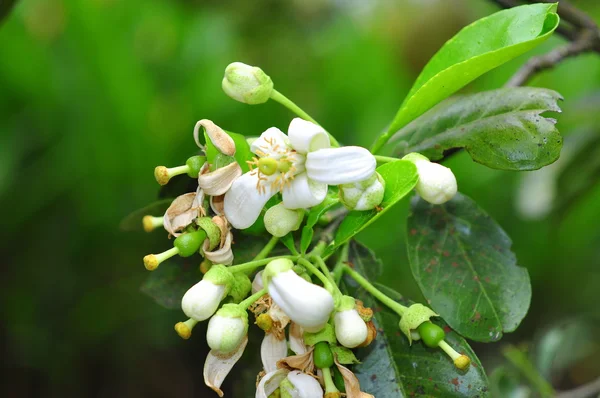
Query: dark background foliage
95, 93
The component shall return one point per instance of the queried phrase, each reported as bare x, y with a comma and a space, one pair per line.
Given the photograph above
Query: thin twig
584, 391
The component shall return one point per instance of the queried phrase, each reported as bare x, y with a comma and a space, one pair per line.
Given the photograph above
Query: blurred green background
95, 93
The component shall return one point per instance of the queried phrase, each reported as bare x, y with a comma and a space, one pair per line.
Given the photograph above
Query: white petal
297, 339
272, 350
202, 300
350, 329
303, 193
270, 382
307, 386
306, 136
271, 138
257, 283
217, 367
344, 165
437, 183
243, 202
224, 255
219, 181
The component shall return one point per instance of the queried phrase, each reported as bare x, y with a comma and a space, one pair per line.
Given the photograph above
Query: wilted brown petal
220, 139
216, 367
219, 181
221, 222
270, 382
216, 204
272, 350
297, 339
351, 383
303, 362
222, 256
182, 212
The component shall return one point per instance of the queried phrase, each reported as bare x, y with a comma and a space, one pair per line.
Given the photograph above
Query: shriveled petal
278, 315
306, 136
351, 383
220, 139
297, 339
303, 193
335, 166
216, 367
181, 213
216, 204
270, 382
221, 222
224, 255
306, 386
244, 202
271, 138
272, 350
219, 181
302, 362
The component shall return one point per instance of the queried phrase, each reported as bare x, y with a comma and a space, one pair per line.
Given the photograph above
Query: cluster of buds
295, 170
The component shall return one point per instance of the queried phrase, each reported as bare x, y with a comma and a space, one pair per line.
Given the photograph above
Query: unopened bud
227, 329
437, 183
280, 221
247, 84
363, 195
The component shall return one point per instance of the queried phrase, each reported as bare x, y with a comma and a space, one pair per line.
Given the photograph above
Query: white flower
350, 329
306, 304
301, 385
202, 299
300, 165
227, 329
437, 183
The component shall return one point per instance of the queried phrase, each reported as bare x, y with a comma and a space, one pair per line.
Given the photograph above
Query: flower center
268, 166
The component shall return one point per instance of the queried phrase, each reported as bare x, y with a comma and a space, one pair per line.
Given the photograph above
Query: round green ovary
189, 243
431, 334
267, 166
322, 355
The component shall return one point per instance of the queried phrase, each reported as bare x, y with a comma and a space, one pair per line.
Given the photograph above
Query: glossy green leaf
400, 178
391, 368
306, 238
476, 49
502, 129
461, 260
133, 222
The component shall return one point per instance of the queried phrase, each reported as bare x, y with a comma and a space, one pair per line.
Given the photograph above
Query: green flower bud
247, 84
280, 221
322, 355
190, 242
363, 195
413, 317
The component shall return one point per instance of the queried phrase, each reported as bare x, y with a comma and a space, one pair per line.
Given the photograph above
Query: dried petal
270, 382
351, 383
220, 139
184, 209
297, 339
219, 181
221, 222
303, 362
216, 204
272, 350
216, 367
222, 256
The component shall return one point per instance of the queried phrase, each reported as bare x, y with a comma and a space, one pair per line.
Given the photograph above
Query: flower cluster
296, 300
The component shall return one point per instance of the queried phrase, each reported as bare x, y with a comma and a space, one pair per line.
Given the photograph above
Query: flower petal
224, 255
271, 138
182, 212
303, 193
344, 165
307, 386
270, 382
297, 339
271, 351
216, 367
306, 136
219, 181
243, 202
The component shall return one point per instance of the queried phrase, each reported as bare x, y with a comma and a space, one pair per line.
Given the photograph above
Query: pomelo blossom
300, 165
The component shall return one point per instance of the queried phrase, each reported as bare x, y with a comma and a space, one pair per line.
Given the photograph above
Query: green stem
326, 282
396, 307
329, 384
318, 249
267, 249
522, 363
385, 159
338, 270
283, 100
252, 299
251, 265
324, 268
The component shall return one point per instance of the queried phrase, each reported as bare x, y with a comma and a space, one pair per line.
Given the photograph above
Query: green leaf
400, 178
133, 222
242, 152
502, 129
476, 49
391, 368
306, 239
461, 260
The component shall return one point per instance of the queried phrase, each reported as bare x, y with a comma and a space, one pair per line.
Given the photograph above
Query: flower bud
305, 303
248, 84
279, 221
350, 329
300, 385
437, 183
227, 329
202, 299
363, 195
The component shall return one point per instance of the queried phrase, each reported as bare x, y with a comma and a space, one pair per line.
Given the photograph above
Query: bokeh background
95, 93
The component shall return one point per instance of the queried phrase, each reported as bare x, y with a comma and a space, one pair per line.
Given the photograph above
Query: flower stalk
393, 305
